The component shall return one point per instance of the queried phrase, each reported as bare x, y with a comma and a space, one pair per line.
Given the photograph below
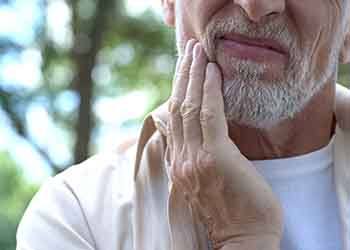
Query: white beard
257, 103
252, 101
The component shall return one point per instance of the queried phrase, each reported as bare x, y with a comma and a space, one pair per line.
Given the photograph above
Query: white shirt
114, 203
306, 190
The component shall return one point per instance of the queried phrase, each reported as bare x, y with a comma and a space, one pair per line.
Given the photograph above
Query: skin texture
210, 155
208, 167
312, 33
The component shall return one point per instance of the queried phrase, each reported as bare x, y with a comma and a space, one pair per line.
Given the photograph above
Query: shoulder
81, 207
107, 172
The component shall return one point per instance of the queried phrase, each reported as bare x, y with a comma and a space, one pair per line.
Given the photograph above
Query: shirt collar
156, 120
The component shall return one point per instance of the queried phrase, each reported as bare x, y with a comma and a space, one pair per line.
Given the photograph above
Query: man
244, 154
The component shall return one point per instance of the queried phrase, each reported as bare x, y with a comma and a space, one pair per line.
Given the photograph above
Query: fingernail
211, 67
197, 50
213, 72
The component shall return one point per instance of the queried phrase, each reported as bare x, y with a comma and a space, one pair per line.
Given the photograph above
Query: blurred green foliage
344, 75
108, 54
15, 194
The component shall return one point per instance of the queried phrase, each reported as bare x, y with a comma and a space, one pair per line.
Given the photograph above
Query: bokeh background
76, 78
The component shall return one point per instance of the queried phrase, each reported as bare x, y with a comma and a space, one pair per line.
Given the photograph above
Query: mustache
276, 30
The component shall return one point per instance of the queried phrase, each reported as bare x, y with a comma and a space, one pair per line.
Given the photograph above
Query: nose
257, 9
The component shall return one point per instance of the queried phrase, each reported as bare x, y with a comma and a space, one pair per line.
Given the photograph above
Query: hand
234, 202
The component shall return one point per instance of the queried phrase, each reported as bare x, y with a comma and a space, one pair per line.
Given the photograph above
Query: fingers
191, 107
178, 96
342, 107
212, 116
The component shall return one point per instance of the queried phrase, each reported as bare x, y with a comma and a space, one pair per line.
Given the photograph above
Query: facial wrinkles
252, 101
343, 8
336, 16
332, 32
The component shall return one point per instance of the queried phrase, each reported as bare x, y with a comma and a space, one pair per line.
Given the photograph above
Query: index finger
212, 117
178, 95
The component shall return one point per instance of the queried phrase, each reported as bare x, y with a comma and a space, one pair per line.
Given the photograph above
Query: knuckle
183, 73
189, 110
188, 168
183, 171
206, 116
168, 129
175, 106
174, 177
187, 58
206, 160
195, 74
175, 172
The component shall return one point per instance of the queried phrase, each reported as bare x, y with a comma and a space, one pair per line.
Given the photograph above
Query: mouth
256, 49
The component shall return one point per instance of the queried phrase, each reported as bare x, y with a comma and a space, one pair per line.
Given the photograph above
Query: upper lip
259, 42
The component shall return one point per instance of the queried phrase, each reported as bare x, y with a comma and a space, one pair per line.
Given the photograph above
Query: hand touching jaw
227, 193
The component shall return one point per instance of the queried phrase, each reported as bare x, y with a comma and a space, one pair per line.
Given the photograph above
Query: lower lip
251, 52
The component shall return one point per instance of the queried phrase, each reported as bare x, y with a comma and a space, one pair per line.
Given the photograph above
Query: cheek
205, 10
308, 23
193, 16
317, 29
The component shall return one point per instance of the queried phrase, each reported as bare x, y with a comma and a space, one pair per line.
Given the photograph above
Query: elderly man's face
274, 54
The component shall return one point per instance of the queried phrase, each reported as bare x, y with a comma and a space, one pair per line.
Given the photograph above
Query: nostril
256, 10
273, 13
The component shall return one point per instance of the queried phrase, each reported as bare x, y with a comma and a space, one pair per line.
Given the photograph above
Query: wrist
265, 229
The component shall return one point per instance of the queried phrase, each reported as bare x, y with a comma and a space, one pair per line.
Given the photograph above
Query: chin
255, 99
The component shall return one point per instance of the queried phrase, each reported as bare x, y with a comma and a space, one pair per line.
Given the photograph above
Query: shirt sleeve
54, 220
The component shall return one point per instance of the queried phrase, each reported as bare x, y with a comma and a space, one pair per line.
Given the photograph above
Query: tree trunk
85, 50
